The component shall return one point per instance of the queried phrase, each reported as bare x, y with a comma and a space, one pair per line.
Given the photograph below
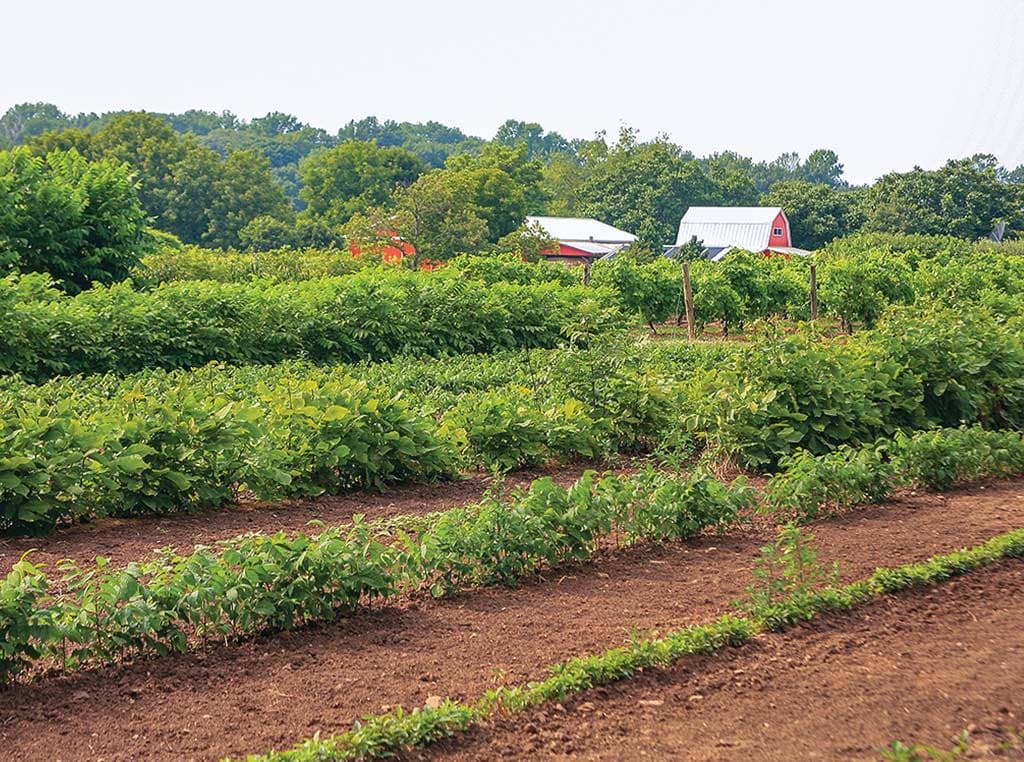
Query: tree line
218, 181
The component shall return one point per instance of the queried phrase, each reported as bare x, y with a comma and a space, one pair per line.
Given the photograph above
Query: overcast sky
886, 84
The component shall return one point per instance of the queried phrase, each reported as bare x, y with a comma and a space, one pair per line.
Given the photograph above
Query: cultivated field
499, 521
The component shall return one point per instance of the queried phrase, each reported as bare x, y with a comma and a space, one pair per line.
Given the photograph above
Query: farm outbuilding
750, 228
581, 239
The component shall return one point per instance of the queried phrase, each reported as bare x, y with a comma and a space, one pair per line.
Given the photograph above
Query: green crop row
920, 368
373, 314
858, 277
809, 486
257, 582
277, 266
855, 285
387, 734
282, 265
165, 447
476, 304
160, 441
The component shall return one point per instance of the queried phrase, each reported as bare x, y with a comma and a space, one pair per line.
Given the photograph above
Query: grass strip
386, 734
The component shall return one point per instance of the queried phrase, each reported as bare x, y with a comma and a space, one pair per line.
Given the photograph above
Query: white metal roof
745, 227
571, 229
591, 248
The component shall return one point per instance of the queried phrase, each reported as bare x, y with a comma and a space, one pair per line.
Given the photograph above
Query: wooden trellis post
691, 329
814, 292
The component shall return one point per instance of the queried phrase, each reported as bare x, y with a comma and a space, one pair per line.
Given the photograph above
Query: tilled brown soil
276, 690
920, 667
124, 540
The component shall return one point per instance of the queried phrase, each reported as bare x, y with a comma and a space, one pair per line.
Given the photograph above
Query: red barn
392, 250
581, 239
751, 228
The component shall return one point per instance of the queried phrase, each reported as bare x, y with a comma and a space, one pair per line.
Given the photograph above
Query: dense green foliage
921, 367
352, 177
274, 265
76, 220
163, 441
965, 198
215, 179
817, 213
156, 441
372, 314
188, 189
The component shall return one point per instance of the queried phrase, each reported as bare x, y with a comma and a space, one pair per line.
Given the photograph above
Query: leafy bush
79, 221
167, 442
941, 458
786, 392
970, 366
652, 291
510, 268
714, 298
788, 574
503, 428
25, 624
858, 288
807, 486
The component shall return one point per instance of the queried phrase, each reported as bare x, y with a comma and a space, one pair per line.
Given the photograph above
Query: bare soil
130, 539
273, 691
921, 668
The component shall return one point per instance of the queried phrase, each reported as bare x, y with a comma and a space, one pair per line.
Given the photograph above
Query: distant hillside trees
186, 188
214, 179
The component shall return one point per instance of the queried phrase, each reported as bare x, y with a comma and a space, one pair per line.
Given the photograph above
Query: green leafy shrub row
510, 268
385, 735
277, 265
941, 458
187, 263
476, 304
373, 314
921, 368
160, 441
808, 485
259, 582
169, 443
857, 283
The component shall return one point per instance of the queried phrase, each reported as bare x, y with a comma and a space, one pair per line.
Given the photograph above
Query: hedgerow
476, 304
373, 314
277, 265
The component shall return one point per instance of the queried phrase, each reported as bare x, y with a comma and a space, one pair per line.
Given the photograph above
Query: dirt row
274, 691
920, 668
130, 539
